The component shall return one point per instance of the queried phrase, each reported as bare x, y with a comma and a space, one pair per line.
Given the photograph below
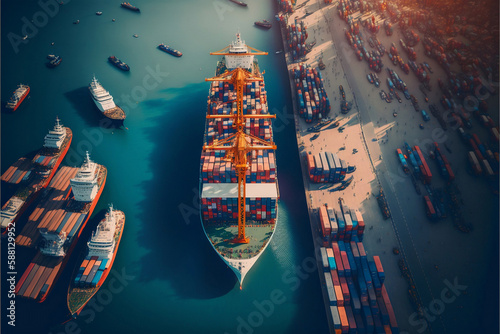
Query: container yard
403, 187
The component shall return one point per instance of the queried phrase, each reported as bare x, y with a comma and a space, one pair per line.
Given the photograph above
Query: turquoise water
177, 283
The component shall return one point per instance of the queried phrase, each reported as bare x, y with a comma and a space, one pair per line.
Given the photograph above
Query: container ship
264, 24
118, 63
35, 174
127, 5
18, 97
169, 50
56, 224
238, 174
94, 269
241, 3
104, 101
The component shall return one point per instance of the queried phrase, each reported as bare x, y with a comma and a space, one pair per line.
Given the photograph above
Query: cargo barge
169, 50
56, 224
18, 97
34, 175
127, 5
104, 101
264, 24
241, 3
118, 63
94, 269
239, 228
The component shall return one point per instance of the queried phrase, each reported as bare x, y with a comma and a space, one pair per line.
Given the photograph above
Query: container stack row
50, 213
90, 271
285, 6
214, 169
312, 99
38, 278
296, 36
359, 302
44, 160
425, 172
444, 166
15, 173
226, 209
326, 167
340, 223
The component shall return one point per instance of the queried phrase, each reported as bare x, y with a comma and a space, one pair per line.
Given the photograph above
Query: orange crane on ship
239, 144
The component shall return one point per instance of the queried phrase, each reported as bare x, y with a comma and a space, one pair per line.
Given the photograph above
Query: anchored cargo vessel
104, 101
18, 97
95, 267
239, 245
56, 224
127, 5
118, 63
264, 24
34, 174
169, 50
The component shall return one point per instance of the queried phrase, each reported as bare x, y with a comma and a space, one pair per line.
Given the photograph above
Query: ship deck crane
239, 144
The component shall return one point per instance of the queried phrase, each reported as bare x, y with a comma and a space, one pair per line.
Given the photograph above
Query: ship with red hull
18, 97
35, 174
95, 267
56, 224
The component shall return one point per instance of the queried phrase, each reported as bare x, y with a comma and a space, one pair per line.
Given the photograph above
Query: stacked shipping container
312, 100
340, 223
326, 167
90, 271
358, 299
296, 36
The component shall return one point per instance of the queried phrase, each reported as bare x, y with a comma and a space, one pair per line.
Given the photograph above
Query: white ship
55, 137
102, 99
102, 242
10, 211
84, 184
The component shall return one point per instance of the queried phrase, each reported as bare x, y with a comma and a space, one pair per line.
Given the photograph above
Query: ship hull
21, 99
91, 292
42, 296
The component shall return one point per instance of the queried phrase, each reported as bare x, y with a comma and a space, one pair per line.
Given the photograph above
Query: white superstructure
55, 137
84, 184
102, 242
238, 47
102, 99
52, 243
10, 211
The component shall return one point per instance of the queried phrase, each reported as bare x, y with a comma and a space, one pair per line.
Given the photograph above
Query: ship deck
115, 113
221, 234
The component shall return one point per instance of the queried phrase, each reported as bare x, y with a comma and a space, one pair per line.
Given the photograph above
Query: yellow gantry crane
239, 144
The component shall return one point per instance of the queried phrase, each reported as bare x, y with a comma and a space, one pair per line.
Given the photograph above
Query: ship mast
239, 145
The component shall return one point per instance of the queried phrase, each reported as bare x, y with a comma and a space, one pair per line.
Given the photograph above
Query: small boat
279, 51
136, 36
113, 20
25, 37
76, 22
98, 13
118, 63
264, 24
127, 5
54, 60
241, 3
169, 50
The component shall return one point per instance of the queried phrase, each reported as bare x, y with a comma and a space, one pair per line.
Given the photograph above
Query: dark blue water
167, 277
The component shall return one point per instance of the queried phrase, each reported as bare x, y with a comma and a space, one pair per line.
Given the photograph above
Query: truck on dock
424, 168
402, 159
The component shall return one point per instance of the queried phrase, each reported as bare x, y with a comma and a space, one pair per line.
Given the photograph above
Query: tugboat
118, 63
241, 3
264, 24
54, 60
127, 5
169, 50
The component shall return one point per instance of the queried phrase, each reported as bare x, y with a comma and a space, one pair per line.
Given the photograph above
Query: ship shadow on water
81, 101
179, 252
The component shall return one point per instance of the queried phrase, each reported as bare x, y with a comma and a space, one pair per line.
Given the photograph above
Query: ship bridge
84, 184
55, 137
